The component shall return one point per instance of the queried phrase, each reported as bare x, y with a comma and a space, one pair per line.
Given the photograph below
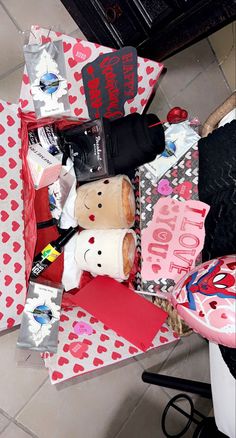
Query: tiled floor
112, 403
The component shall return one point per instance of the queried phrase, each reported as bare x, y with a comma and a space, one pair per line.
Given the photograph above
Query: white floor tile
44, 13
3, 422
10, 86
10, 43
94, 406
17, 383
13, 431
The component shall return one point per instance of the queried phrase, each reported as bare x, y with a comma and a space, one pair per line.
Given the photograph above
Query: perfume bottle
50, 253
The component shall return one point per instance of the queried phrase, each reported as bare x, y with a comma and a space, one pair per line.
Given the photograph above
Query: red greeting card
121, 309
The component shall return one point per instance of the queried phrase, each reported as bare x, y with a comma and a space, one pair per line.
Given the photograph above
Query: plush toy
106, 204
106, 252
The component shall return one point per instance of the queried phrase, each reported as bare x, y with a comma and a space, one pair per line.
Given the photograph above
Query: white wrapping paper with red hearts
77, 54
12, 247
85, 344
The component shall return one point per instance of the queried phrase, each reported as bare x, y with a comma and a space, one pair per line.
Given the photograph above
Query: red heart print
2, 151
13, 184
72, 336
64, 318
2, 129
12, 163
14, 205
72, 62
141, 90
8, 280
78, 111
133, 109
87, 341
16, 246
115, 355
2, 172
104, 338
10, 121
61, 329
201, 314
81, 314
14, 226
69, 85
106, 328
82, 90
152, 82
4, 216
3, 194
5, 237
119, 344
133, 350
143, 102
77, 349
10, 322
66, 348
175, 335
1, 315
92, 217
213, 304
72, 99
56, 375
81, 53
18, 288
149, 70
23, 103
20, 309
130, 101
97, 361
46, 39
93, 320
163, 339
156, 268
101, 349
66, 46
25, 79
139, 79
63, 361
78, 368
1, 107
91, 240
17, 267
9, 301
224, 316
6, 259
77, 76
164, 329
11, 142
176, 115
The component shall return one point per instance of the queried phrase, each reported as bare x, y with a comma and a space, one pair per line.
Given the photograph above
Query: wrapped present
85, 344
78, 54
12, 272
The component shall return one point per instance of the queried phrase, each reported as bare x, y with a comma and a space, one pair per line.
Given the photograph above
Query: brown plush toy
106, 204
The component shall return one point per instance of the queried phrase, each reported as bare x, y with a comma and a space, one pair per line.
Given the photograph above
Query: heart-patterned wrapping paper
12, 247
180, 183
77, 54
85, 344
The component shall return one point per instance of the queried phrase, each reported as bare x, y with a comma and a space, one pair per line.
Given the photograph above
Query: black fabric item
132, 143
217, 187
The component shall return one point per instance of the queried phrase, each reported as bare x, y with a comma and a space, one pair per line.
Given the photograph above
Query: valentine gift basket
74, 146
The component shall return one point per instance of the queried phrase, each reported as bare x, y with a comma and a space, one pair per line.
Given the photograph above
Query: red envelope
122, 310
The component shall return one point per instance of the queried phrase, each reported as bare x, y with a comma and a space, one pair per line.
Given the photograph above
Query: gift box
77, 54
12, 272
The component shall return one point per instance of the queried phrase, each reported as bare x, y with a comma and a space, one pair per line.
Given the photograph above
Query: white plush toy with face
106, 252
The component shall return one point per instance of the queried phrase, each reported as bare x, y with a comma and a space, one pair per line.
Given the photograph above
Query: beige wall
223, 44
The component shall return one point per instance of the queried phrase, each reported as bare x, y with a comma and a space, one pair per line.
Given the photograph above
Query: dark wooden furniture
157, 28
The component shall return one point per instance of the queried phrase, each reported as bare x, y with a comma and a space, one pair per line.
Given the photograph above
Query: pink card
86, 344
121, 309
173, 239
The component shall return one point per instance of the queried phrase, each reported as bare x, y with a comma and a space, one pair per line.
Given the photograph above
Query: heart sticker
81, 53
81, 328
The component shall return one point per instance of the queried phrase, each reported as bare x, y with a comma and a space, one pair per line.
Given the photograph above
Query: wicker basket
174, 321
